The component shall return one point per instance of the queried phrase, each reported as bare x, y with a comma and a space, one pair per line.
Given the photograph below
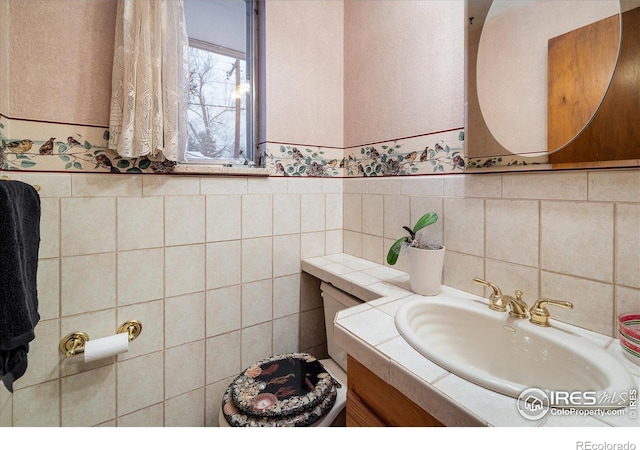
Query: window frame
251, 58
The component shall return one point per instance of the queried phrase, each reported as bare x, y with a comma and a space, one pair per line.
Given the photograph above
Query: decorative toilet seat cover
293, 388
237, 418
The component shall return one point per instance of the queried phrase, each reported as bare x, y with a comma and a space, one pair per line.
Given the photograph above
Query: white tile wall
574, 235
223, 310
257, 343
224, 226
286, 214
223, 264
88, 226
140, 222
257, 302
135, 285
82, 277
210, 265
184, 319
140, 383
312, 214
184, 269
257, 215
186, 410
217, 300
184, 220
627, 244
512, 231
257, 257
152, 416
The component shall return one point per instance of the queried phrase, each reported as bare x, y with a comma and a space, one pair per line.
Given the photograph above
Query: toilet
263, 394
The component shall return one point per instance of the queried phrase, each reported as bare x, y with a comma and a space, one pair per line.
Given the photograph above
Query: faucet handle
540, 314
496, 299
496, 290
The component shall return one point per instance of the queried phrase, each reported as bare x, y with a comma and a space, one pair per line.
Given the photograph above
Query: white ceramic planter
425, 270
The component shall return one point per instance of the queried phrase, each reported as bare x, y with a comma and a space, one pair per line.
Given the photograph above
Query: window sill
203, 169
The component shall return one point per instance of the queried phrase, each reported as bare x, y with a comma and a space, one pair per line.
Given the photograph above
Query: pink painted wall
59, 60
304, 72
404, 69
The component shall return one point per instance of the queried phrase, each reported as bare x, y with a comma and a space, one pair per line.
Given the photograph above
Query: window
222, 83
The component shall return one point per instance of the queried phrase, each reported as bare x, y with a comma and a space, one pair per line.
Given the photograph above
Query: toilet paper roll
107, 346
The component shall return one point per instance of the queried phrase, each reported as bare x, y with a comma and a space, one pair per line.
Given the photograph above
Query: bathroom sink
507, 355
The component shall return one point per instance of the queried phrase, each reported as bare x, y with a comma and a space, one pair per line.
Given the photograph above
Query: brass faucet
499, 302
540, 314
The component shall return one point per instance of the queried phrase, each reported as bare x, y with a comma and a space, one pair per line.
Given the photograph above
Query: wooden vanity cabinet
373, 403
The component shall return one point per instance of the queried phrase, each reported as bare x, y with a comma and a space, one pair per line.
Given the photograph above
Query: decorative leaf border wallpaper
28, 145
419, 155
505, 161
53, 147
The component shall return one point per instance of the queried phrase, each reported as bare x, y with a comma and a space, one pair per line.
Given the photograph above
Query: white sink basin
506, 355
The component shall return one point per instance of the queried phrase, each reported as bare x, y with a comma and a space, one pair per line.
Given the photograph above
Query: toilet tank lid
346, 299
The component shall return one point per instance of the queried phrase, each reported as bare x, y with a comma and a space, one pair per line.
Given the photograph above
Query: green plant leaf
27, 164
425, 221
394, 251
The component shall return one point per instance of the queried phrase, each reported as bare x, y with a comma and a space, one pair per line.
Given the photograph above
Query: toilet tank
335, 300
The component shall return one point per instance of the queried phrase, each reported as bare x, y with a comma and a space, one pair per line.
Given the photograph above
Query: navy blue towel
19, 245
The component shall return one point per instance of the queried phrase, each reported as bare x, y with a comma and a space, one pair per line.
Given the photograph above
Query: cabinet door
358, 415
383, 402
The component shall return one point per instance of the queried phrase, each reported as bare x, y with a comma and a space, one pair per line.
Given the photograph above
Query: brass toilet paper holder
73, 343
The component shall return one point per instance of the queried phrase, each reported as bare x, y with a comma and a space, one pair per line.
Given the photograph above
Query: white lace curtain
150, 82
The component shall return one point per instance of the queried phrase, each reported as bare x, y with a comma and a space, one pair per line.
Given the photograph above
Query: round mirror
543, 68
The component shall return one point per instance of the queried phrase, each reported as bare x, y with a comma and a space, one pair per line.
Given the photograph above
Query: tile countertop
368, 333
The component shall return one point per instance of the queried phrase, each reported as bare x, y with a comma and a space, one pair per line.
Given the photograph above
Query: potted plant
426, 258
